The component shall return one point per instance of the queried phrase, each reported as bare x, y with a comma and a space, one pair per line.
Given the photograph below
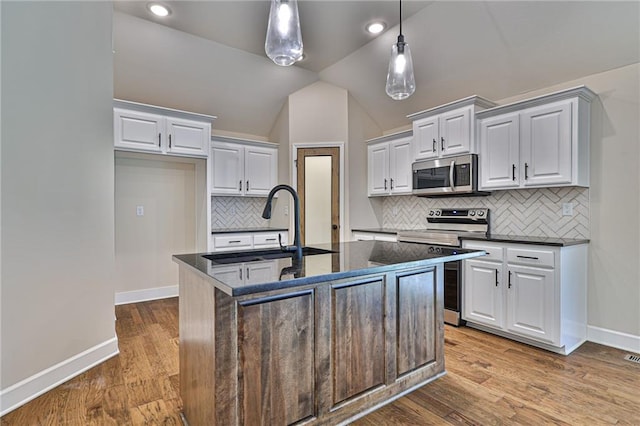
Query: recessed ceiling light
375, 27
158, 9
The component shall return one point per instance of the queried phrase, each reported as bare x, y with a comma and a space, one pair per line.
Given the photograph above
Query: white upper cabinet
389, 164
540, 142
188, 137
147, 128
447, 130
243, 168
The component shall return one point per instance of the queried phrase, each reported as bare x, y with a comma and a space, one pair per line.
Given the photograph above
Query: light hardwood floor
490, 381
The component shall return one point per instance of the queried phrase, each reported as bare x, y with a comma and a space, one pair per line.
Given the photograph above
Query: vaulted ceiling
208, 56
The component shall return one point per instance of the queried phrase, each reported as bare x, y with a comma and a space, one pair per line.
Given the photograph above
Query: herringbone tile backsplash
237, 212
525, 212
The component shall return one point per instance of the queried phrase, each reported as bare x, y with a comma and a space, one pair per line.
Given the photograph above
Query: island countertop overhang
349, 259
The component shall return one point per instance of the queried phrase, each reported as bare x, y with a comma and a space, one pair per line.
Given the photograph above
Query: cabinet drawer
494, 252
269, 239
534, 257
232, 241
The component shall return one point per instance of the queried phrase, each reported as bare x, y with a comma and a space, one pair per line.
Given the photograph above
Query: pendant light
400, 80
283, 44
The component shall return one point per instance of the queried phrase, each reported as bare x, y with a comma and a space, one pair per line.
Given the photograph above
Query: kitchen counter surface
243, 230
349, 259
518, 239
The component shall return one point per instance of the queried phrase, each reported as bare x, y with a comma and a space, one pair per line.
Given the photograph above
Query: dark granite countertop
350, 259
378, 230
518, 239
243, 230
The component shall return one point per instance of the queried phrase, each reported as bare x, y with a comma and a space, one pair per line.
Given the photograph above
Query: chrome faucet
266, 214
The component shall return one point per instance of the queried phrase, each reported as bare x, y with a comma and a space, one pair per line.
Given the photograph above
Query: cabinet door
138, 131
260, 170
228, 169
400, 159
229, 275
546, 144
378, 165
531, 301
455, 132
500, 152
261, 272
483, 295
187, 137
426, 136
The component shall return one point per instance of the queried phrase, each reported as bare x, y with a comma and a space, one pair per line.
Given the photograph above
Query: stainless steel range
446, 227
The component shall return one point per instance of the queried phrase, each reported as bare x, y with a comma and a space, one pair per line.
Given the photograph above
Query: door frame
294, 173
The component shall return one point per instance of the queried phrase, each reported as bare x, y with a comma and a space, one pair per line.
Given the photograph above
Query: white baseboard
615, 339
30, 388
146, 294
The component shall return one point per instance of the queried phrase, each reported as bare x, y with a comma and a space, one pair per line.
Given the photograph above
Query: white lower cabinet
246, 273
248, 240
531, 293
377, 236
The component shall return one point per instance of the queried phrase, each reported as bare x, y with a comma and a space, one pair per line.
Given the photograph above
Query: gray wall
57, 184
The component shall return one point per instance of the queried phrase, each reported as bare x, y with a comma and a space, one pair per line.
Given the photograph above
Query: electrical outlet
232, 211
567, 209
139, 210
286, 210
395, 210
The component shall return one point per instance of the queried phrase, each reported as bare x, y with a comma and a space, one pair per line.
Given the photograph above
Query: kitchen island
267, 339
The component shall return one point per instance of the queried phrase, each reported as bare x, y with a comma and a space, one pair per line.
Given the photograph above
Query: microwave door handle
451, 170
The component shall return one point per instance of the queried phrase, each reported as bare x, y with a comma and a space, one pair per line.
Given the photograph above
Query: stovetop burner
446, 226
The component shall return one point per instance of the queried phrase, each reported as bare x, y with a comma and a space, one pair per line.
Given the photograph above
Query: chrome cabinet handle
385, 184
451, 170
235, 242
240, 270
247, 187
169, 140
240, 188
442, 143
526, 171
392, 183
528, 257
509, 279
434, 145
270, 239
159, 139
248, 273
496, 278
513, 172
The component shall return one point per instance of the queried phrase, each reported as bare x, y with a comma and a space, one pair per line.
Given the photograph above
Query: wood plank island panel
416, 313
358, 342
276, 347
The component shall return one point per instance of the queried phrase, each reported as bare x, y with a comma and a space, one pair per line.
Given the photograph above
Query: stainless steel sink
258, 255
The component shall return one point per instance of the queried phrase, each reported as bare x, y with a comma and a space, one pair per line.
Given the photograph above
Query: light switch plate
567, 209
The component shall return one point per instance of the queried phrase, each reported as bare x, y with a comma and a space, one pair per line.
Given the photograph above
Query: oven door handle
451, 170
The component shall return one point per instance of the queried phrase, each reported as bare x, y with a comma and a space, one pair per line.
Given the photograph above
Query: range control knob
472, 213
481, 213
438, 213
431, 213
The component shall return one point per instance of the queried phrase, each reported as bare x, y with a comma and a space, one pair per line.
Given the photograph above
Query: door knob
334, 226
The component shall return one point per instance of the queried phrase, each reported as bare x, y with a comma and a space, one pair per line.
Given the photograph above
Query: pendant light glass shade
400, 80
283, 44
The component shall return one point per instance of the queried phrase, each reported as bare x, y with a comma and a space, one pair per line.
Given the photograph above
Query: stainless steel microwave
447, 177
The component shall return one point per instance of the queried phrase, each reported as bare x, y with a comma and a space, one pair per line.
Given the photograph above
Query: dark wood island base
324, 353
